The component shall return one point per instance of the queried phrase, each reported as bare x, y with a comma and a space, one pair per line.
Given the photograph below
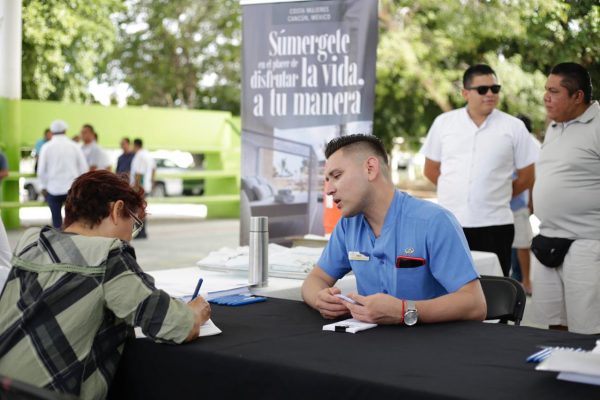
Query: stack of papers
583, 367
181, 282
284, 262
350, 325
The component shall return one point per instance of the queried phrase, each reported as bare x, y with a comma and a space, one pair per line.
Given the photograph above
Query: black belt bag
550, 251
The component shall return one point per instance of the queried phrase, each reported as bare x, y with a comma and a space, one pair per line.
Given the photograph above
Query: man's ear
579, 96
373, 167
464, 93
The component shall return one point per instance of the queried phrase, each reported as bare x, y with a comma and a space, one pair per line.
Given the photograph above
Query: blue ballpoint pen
197, 288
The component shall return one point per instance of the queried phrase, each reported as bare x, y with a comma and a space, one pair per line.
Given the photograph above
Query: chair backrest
505, 298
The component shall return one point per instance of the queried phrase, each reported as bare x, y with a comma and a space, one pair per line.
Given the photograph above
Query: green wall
10, 119
160, 128
216, 134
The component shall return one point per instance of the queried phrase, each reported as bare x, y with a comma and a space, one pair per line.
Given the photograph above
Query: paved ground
173, 242
177, 237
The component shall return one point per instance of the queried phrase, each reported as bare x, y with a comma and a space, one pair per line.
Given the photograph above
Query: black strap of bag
550, 251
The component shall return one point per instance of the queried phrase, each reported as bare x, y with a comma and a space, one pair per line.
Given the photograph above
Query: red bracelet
403, 302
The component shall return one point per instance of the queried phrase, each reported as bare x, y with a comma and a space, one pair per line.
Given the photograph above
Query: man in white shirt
95, 156
61, 162
471, 154
142, 172
566, 289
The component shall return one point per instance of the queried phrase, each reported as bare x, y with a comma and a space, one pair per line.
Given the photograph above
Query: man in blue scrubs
410, 256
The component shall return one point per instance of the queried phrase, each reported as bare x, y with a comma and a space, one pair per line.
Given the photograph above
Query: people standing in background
566, 290
124, 160
61, 162
3, 166
521, 208
38, 146
94, 154
3, 169
142, 173
471, 154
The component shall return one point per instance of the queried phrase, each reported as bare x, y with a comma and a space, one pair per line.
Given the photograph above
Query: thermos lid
259, 224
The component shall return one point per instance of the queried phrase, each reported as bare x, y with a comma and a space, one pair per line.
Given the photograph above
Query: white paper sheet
207, 329
350, 325
182, 281
574, 366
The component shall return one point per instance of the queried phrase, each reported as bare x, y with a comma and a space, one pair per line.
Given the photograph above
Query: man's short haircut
89, 198
126, 140
90, 127
574, 77
476, 70
138, 142
354, 141
527, 121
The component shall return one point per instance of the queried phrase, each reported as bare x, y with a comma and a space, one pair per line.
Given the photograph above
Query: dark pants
495, 239
516, 267
55, 203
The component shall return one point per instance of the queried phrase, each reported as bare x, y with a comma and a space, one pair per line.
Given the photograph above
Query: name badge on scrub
357, 256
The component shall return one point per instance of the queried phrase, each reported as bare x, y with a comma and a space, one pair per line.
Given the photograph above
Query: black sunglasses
484, 89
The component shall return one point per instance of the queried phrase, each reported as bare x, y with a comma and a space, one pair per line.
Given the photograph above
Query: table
182, 281
486, 263
277, 350
296, 261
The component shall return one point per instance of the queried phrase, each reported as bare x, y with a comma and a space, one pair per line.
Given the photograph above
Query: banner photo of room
308, 76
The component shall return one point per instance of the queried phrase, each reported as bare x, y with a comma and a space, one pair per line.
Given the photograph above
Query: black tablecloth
277, 349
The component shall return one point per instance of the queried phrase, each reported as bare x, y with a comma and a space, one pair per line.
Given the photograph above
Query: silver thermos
258, 269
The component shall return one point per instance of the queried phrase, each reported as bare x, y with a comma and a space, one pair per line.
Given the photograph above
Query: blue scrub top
412, 228
520, 201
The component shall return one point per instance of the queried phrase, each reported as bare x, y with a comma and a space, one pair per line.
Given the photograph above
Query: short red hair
88, 200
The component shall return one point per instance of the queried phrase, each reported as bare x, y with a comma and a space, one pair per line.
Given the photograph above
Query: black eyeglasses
138, 224
484, 89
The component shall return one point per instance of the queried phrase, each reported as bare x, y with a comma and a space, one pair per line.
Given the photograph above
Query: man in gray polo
566, 200
95, 155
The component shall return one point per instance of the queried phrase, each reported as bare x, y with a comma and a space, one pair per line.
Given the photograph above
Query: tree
426, 45
65, 45
186, 53
180, 53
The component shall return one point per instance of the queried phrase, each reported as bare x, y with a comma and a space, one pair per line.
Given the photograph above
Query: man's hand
330, 306
319, 293
45, 194
201, 310
378, 308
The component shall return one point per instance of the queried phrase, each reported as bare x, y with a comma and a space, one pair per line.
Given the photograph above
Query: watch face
410, 317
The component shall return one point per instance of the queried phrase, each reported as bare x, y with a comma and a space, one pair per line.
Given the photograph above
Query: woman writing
73, 296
